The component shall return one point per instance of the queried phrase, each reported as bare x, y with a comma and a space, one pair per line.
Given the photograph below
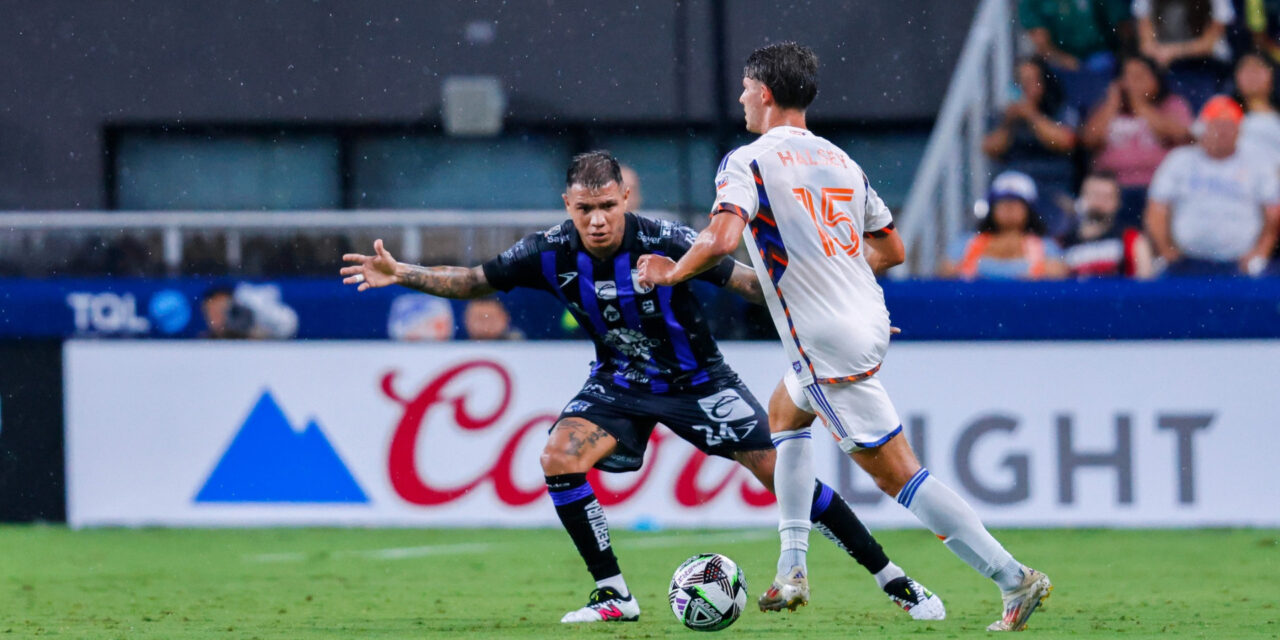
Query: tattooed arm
744, 282
381, 269
446, 282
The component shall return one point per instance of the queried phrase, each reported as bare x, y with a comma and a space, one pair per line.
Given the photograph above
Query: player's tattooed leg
760, 463
575, 445
582, 436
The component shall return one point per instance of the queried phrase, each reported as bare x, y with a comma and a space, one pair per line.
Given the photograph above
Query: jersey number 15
828, 219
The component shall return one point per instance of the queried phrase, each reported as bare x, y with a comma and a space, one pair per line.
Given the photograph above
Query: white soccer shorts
859, 414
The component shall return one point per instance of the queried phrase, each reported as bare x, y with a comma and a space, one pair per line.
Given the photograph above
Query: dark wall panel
32, 481
71, 68
878, 60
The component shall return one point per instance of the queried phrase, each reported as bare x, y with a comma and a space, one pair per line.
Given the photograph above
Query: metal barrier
953, 173
467, 236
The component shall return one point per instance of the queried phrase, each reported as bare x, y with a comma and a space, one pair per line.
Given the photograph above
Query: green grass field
290, 583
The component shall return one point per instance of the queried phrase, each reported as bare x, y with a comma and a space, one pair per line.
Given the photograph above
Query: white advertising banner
449, 434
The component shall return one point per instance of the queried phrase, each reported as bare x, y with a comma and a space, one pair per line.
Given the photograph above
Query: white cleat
787, 591
915, 599
606, 605
1023, 601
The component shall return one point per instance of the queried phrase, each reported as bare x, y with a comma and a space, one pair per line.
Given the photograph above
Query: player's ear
766, 95
626, 198
565, 197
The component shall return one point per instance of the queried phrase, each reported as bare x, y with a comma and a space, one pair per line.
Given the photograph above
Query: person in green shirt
1068, 33
1079, 39
1262, 17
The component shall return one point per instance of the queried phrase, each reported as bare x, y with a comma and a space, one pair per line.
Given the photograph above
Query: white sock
793, 484
616, 582
888, 574
1009, 577
951, 518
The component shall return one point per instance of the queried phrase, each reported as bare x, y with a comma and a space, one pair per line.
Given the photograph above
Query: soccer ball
708, 592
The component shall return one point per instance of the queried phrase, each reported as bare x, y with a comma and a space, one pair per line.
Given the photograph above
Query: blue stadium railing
925, 310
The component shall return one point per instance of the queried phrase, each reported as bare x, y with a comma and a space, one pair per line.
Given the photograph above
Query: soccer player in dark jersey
655, 362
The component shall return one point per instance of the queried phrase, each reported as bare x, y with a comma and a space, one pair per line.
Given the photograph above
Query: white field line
693, 539
402, 553
288, 556
393, 553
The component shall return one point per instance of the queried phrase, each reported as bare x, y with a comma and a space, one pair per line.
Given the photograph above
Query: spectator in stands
1133, 128
1009, 243
1036, 136
248, 311
223, 318
1262, 18
1079, 40
1099, 245
1214, 208
631, 179
487, 319
1255, 83
1187, 37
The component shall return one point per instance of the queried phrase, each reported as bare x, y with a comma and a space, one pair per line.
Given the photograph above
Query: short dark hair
593, 169
1034, 224
216, 291
789, 70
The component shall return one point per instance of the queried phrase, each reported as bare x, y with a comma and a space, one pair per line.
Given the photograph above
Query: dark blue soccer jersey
651, 339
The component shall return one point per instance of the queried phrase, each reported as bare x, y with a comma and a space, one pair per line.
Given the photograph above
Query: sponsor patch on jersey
726, 406
611, 313
598, 390
631, 343
606, 290
577, 406
635, 283
567, 277
796, 366
648, 307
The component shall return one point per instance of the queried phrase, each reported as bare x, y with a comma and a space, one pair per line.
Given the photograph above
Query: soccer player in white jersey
818, 234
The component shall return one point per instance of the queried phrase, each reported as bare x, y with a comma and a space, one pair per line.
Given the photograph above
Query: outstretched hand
655, 270
378, 270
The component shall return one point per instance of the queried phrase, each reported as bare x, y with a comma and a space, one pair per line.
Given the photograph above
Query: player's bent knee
891, 484
892, 480
760, 463
555, 461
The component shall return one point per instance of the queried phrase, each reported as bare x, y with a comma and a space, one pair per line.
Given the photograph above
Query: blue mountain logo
268, 461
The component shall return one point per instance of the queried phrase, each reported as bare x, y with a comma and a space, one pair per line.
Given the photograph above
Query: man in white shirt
1213, 208
819, 234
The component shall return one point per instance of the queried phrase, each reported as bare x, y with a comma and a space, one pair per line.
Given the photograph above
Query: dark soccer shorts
718, 420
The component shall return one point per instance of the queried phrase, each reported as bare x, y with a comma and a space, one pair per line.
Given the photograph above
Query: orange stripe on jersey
854, 378
725, 207
880, 233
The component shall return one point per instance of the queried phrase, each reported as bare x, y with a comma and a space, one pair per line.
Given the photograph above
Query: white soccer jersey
808, 207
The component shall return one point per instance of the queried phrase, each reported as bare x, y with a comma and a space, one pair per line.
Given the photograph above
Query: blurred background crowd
1135, 140
1143, 140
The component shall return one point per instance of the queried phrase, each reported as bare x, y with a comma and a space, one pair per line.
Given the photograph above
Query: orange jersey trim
725, 207
854, 378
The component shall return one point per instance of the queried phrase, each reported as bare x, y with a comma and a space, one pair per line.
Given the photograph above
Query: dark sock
834, 519
583, 517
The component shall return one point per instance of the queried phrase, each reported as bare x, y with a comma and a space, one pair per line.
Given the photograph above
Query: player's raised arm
711, 246
381, 269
